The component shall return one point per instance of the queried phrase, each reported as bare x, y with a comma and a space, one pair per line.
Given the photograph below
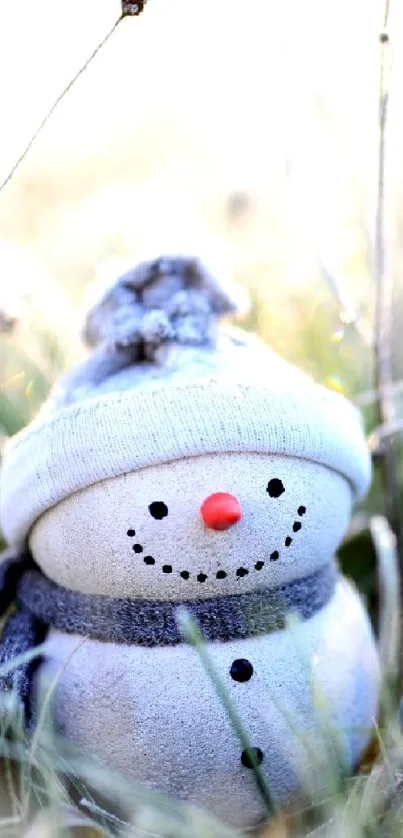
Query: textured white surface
136, 708
82, 543
260, 406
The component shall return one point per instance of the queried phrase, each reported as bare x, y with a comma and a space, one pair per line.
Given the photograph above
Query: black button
251, 756
241, 670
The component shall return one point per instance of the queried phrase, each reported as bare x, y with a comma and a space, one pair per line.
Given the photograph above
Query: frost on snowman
183, 463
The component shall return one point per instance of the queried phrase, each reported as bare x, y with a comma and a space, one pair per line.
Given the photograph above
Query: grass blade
192, 635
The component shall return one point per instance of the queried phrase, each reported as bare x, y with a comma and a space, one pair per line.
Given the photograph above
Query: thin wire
57, 102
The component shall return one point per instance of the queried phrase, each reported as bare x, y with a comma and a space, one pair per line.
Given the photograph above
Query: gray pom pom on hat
160, 316
169, 299
165, 380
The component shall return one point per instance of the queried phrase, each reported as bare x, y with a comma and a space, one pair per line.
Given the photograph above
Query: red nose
220, 511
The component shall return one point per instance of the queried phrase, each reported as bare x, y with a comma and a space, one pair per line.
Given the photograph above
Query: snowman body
306, 693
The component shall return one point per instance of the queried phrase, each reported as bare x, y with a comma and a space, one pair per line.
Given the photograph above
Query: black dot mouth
137, 548
240, 572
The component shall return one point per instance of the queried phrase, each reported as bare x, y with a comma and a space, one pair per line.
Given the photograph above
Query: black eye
158, 509
275, 488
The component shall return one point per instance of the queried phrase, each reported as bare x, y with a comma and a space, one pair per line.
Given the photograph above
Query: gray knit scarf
40, 604
153, 622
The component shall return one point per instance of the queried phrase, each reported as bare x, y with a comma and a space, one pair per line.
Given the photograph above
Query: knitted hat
163, 381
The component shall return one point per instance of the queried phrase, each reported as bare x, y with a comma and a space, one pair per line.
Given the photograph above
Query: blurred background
242, 131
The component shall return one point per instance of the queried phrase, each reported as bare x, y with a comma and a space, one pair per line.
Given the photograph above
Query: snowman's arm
12, 566
20, 631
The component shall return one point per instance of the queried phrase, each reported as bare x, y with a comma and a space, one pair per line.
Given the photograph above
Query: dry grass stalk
383, 383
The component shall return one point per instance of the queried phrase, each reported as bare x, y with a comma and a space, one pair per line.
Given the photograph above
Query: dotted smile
159, 510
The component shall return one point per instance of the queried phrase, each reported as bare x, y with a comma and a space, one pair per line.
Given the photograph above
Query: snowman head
181, 460
165, 531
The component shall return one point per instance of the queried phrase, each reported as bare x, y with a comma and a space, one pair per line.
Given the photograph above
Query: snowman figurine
184, 464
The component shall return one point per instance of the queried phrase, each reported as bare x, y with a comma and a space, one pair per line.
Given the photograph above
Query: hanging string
128, 10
